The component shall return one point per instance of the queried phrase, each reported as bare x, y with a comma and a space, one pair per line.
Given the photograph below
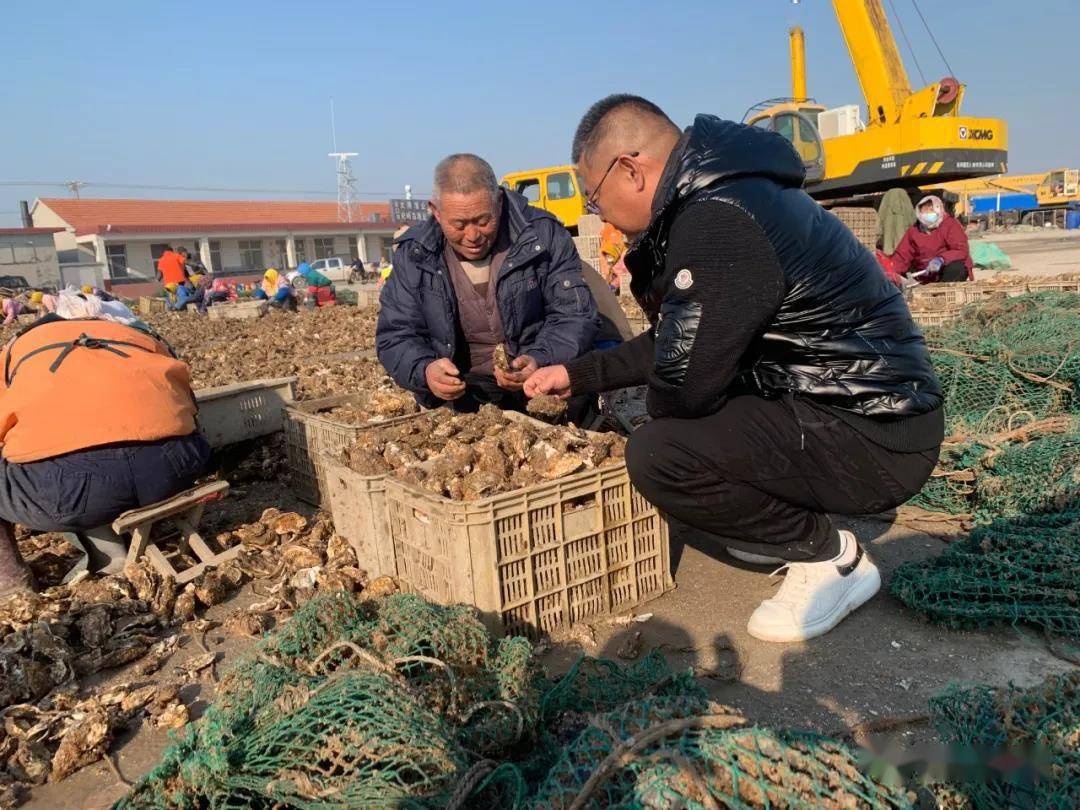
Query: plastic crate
234, 413
358, 505
368, 299
981, 293
936, 317
638, 323
536, 559
941, 295
590, 225
237, 311
1067, 285
311, 435
151, 305
863, 222
588, 247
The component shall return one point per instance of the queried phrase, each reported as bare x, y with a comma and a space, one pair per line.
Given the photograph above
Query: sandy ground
1037, 253
881, 664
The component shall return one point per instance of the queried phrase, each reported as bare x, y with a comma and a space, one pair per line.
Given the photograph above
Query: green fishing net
1017, 747
1010, 372
685, 752
1019, 570
1009, 359
397, 702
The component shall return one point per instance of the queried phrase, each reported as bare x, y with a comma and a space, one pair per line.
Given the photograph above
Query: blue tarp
1003, 202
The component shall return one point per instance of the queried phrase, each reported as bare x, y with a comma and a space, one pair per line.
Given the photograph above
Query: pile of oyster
50, 642
471, 456
325, 348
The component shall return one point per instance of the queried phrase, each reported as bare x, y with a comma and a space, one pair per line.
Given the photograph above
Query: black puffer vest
843, 335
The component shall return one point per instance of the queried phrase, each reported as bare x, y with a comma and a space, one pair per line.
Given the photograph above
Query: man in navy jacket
485, 270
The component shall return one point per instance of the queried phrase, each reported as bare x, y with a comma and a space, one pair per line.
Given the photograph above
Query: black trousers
954, 271
763, 475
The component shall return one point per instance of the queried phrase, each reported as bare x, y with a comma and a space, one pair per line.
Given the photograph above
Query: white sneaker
753, 559
815, 597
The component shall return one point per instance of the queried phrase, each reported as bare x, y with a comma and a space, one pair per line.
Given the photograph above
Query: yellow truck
556, 189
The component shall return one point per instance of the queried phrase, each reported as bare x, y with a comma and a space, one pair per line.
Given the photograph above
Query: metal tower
346, 185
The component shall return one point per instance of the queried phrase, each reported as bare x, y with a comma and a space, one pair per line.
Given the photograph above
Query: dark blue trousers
90, 488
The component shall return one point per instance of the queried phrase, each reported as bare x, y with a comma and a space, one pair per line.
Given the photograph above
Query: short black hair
591, 130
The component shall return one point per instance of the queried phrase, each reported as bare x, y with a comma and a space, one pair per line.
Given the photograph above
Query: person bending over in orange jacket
96, 418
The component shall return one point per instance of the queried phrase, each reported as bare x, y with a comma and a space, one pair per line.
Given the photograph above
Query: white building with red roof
230, 237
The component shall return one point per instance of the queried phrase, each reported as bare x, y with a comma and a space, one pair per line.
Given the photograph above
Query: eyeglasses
590, 204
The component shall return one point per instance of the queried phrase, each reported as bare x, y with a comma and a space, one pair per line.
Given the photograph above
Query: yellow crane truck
908, 138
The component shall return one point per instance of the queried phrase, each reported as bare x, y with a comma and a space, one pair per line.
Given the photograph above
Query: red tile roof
28, 231
88, 216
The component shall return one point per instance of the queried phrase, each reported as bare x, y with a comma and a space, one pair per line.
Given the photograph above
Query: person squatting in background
935, 248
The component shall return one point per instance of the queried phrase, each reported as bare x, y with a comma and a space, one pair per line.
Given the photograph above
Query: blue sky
236, 94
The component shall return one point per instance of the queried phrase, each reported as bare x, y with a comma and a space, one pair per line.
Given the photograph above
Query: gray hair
464, 173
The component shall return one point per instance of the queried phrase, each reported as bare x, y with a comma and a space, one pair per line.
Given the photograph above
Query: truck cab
556, 189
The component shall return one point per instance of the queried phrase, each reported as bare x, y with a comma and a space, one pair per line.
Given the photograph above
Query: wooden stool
185, 510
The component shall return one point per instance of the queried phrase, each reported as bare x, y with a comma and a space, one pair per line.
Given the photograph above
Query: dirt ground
877, 669
880, 666
1037, 253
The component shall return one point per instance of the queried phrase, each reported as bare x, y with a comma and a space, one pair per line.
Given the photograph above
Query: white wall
376, 246
230, 254
45, 217
32, 256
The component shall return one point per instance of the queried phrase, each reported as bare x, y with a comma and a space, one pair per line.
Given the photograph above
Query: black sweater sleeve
724, 285
624, 366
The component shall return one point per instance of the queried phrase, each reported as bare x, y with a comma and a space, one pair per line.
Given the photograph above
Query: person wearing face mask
485, 270
935, 248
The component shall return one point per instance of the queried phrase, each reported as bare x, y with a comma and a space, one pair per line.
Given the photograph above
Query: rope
473, 777
933, 39
911, 50
631, 746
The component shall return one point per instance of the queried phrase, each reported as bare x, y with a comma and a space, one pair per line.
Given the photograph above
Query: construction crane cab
1060, 186
909, 137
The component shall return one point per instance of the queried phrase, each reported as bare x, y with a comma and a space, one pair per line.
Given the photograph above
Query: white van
335, 269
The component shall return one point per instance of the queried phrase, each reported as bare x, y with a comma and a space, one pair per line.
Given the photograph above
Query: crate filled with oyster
536, 525
325, 426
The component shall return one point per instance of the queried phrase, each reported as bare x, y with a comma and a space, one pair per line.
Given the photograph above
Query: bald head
623, 123
464, 173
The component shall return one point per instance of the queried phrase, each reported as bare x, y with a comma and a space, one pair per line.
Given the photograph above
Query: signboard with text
408, 211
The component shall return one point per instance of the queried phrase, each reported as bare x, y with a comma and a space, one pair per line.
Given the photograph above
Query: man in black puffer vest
787, 380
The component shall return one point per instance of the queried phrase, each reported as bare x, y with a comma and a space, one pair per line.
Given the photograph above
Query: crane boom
798, 63
875, 57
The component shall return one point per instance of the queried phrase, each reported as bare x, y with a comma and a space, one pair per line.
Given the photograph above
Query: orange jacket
59, 395
171, 267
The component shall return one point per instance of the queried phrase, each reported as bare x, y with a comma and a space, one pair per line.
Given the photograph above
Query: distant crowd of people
187, 283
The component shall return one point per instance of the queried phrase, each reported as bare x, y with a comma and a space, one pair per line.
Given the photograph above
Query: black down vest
843, 334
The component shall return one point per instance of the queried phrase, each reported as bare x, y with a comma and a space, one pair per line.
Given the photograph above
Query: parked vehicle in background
556, 189
16, 284
337, 269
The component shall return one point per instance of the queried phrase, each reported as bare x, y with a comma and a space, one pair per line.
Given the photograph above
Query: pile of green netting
396, 702
1019, 570
1010, 372
1012, 747
1002, 360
